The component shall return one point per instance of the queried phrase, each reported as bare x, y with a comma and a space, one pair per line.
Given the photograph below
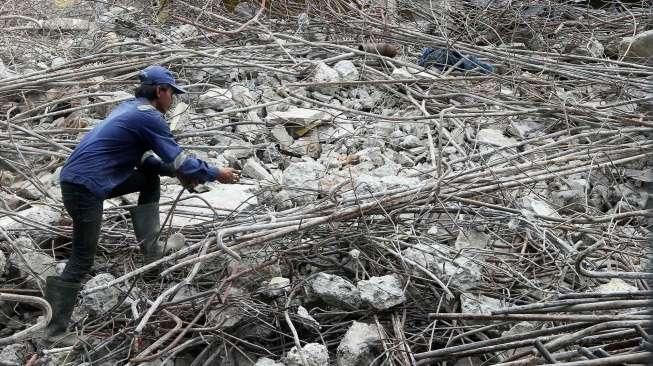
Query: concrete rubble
359, 345
382, 292
314, 354
456, 270
336, 291
377, 196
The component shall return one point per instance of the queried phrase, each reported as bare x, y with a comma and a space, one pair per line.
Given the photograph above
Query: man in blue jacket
125, 153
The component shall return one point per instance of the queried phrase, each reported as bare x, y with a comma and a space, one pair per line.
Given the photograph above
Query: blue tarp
443, 58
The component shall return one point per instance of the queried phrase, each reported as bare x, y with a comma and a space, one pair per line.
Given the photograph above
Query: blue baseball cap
157, 75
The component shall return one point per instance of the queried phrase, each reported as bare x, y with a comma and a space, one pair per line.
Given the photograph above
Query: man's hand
228, 175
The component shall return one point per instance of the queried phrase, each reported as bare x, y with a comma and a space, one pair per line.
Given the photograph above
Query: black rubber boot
62, 296
146, 228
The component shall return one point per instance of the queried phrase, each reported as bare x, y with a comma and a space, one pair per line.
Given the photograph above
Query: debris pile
486, 209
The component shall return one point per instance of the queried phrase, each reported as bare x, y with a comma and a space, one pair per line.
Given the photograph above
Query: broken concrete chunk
537, 206
494, 137
519, 328
175, 242
472, 239
301, 116
221, 197
524, 129
14, 354
35, 263
303, 313
460, 272
230, 313
315, 354
615, 285
3, 263
282, 136
185, 31
469, 361
410, 142
36, 214
347, 70
264, 361
216, 98
302, 178
336, 291
325, 74
638, 48
180, 116
254, 169
276, 286
478, 304
359, 345
382, 292
366, 184
224, 316
101, 301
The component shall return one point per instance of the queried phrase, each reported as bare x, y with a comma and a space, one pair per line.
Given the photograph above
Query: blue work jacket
109, 153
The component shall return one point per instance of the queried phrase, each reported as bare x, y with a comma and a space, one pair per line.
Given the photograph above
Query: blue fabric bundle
442, 58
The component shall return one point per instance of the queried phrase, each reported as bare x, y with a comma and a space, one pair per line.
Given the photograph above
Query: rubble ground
392, 210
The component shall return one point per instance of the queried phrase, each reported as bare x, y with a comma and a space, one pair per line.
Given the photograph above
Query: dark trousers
86, 211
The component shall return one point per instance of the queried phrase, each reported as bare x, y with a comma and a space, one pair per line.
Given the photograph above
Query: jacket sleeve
160, 140
152, 163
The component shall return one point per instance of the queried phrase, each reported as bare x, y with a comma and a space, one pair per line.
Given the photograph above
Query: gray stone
303, 313
264, 361
519, 328
478, 304
347, 70
276, 286
325, 74
371, 154
638, 48
382, 292
489, 136
185, 31
3, 263
216, 98
222, 197
335, 290
5, 72
537, 206
524, 129
410, 142
58, 61
366, 184
254, 169
308, 145
358, 346
175, 242
230, 313
100, 301
615, 285
282, 136
41, 214
180, 117
41, 264
472, 239
300, 116
315, 354
14, 354
448, 265
469, 361
283, 200
629, 193
302, 179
